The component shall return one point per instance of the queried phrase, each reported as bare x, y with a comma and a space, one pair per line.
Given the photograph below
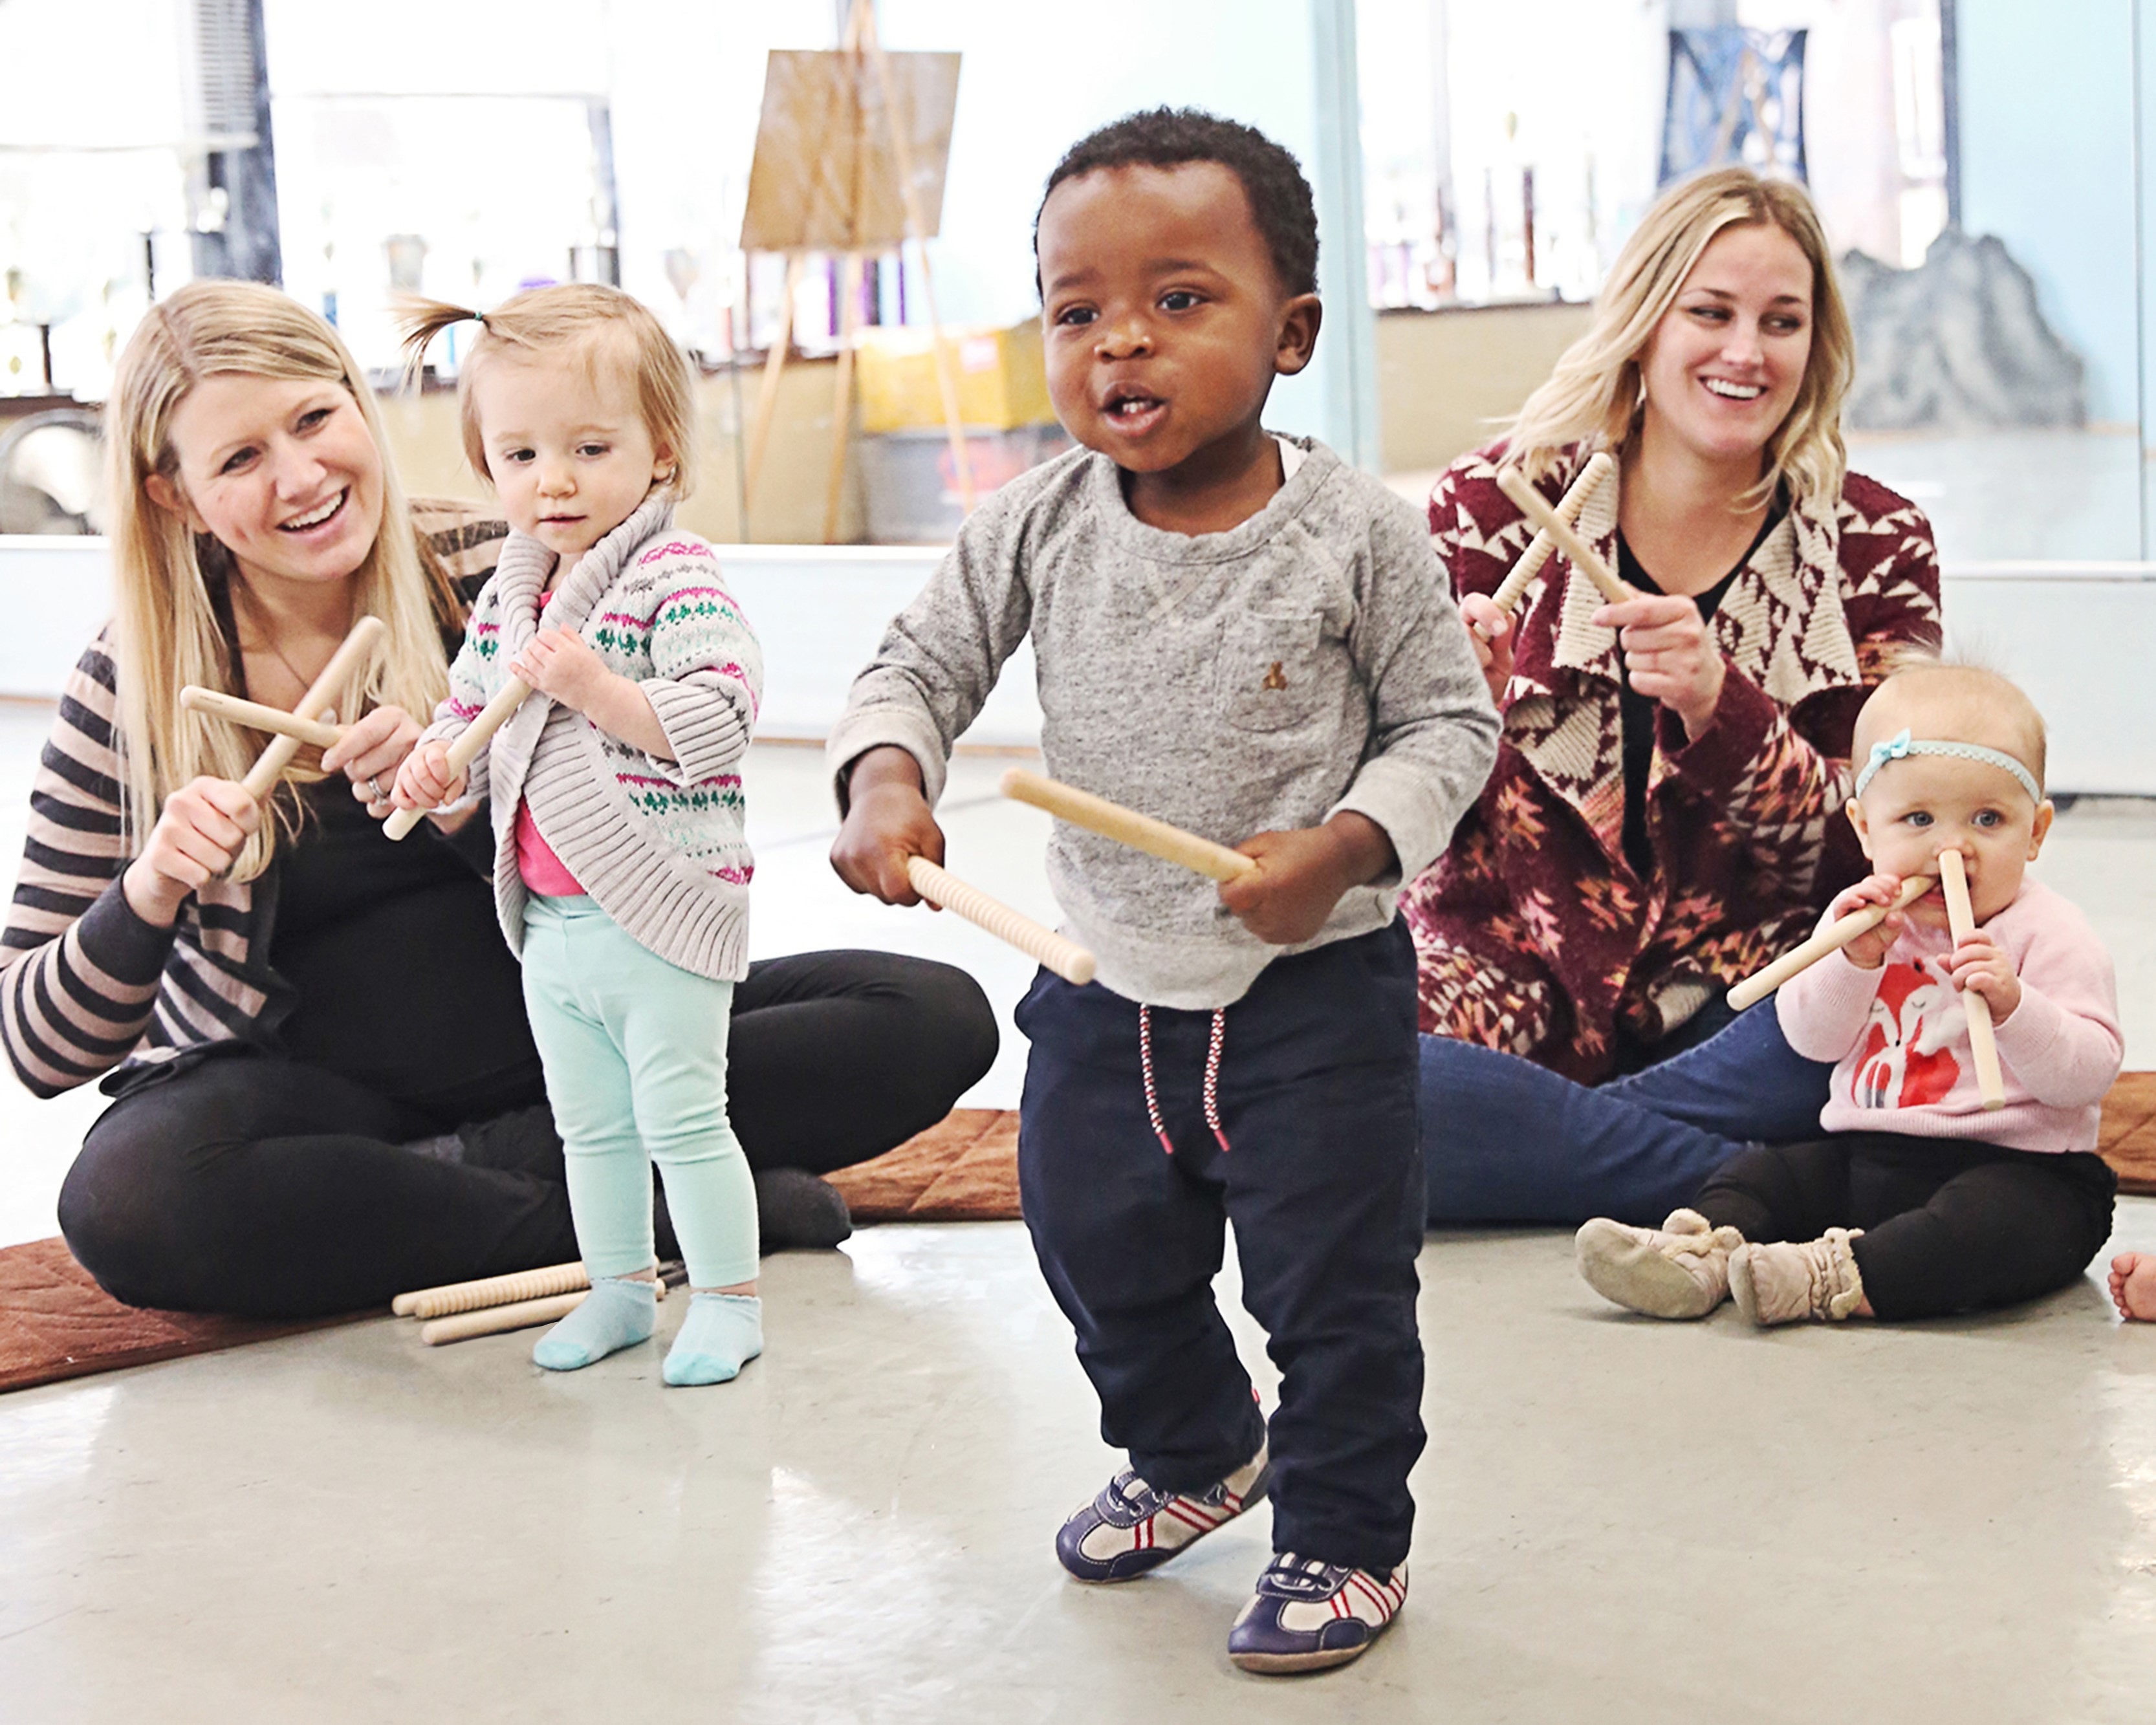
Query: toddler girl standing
621, 872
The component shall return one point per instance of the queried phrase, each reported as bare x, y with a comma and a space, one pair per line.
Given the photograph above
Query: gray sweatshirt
1306, 661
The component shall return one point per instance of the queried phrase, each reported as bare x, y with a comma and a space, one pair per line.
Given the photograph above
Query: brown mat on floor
963, 1170
55, 1322
2127, 1140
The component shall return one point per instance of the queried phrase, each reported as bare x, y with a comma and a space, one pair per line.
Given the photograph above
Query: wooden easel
844, 107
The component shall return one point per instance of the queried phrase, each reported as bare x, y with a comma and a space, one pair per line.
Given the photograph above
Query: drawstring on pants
1212, 1077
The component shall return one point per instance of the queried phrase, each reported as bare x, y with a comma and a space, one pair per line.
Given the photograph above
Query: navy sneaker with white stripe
1307, 1614
1131, 1526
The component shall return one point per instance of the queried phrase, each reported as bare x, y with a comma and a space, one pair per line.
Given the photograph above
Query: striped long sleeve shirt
87, 987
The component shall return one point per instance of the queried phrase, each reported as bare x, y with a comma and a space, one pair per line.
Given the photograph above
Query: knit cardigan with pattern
658, 844
1535, 934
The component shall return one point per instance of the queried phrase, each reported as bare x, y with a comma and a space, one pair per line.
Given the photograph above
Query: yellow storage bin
1002, 381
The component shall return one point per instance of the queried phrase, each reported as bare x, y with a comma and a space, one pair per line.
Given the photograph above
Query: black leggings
251, 1183
1950, 1226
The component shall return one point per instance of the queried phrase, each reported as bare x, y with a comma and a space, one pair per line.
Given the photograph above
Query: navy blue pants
1323, 1182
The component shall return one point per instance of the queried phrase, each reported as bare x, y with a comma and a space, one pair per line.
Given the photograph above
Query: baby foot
2133, 1285
617, 1314
722, 1333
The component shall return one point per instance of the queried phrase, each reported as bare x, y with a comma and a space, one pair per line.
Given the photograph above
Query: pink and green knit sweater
658, 844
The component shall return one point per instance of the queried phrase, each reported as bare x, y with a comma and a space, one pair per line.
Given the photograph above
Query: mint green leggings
635, 1053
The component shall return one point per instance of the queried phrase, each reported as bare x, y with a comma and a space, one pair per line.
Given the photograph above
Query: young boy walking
1238, 634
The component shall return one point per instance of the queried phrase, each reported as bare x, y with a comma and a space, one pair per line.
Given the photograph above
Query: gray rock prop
1957, 344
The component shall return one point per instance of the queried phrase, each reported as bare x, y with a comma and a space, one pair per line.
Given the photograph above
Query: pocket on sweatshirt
1267, 674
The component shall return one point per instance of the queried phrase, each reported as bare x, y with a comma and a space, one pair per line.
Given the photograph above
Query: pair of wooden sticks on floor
459, 1311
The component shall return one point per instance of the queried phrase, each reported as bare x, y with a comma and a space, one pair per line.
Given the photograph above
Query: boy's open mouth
1133, 409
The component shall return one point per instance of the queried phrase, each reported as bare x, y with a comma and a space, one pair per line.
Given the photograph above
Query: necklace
268, 638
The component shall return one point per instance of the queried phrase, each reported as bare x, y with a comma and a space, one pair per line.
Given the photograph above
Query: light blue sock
617, 1314
722, 1333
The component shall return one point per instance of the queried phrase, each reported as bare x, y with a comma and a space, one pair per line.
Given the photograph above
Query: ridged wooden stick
1065, 958
1584, 557
1126, 826
1570, 507
1836, 935
491, 1291
473, 737
216, 704
496, 1319
1983, 1043
349, 659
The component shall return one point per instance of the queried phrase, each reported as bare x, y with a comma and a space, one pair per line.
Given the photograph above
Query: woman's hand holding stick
1832, 938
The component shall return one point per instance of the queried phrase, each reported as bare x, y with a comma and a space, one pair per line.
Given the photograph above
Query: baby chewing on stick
1917, 1200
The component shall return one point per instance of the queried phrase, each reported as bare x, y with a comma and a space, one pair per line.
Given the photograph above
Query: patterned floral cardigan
1534, 933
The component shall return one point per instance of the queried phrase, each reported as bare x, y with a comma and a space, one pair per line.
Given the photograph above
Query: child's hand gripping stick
256, 716
1599, 466
1126, 826
1961, 923
349, 659
1065, 958
1836, 935
466, 748
1585, 558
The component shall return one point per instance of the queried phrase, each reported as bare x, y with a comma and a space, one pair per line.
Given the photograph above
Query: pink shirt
1899, 1034
543, 872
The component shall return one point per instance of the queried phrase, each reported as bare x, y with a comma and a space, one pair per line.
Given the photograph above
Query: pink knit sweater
1899, 1034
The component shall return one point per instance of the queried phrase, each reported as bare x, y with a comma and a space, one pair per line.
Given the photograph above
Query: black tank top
404, 982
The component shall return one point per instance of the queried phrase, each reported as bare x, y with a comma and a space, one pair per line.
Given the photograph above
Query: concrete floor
1619, 1520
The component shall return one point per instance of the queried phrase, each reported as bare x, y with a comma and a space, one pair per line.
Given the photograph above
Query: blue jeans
1505, 1140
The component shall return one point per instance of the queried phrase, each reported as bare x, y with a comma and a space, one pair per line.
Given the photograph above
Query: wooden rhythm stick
489, 1291
495, 1320
1983, 1044
349, 658
1584, 557
1599, 466
1836, 935
465, 749
1065, 958
1126, 826
256, 716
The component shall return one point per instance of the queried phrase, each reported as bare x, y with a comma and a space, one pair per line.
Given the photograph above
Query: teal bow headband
1900, 747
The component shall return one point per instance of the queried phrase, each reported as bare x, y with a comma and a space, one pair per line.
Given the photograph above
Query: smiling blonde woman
1662, 816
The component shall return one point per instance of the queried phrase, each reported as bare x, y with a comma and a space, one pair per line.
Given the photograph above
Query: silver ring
374, 785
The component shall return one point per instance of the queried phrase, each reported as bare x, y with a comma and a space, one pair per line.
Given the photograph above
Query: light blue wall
2047, 165
1038, 78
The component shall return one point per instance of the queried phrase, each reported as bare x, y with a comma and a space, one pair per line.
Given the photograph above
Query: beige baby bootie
1679, 1270
1793, 1280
